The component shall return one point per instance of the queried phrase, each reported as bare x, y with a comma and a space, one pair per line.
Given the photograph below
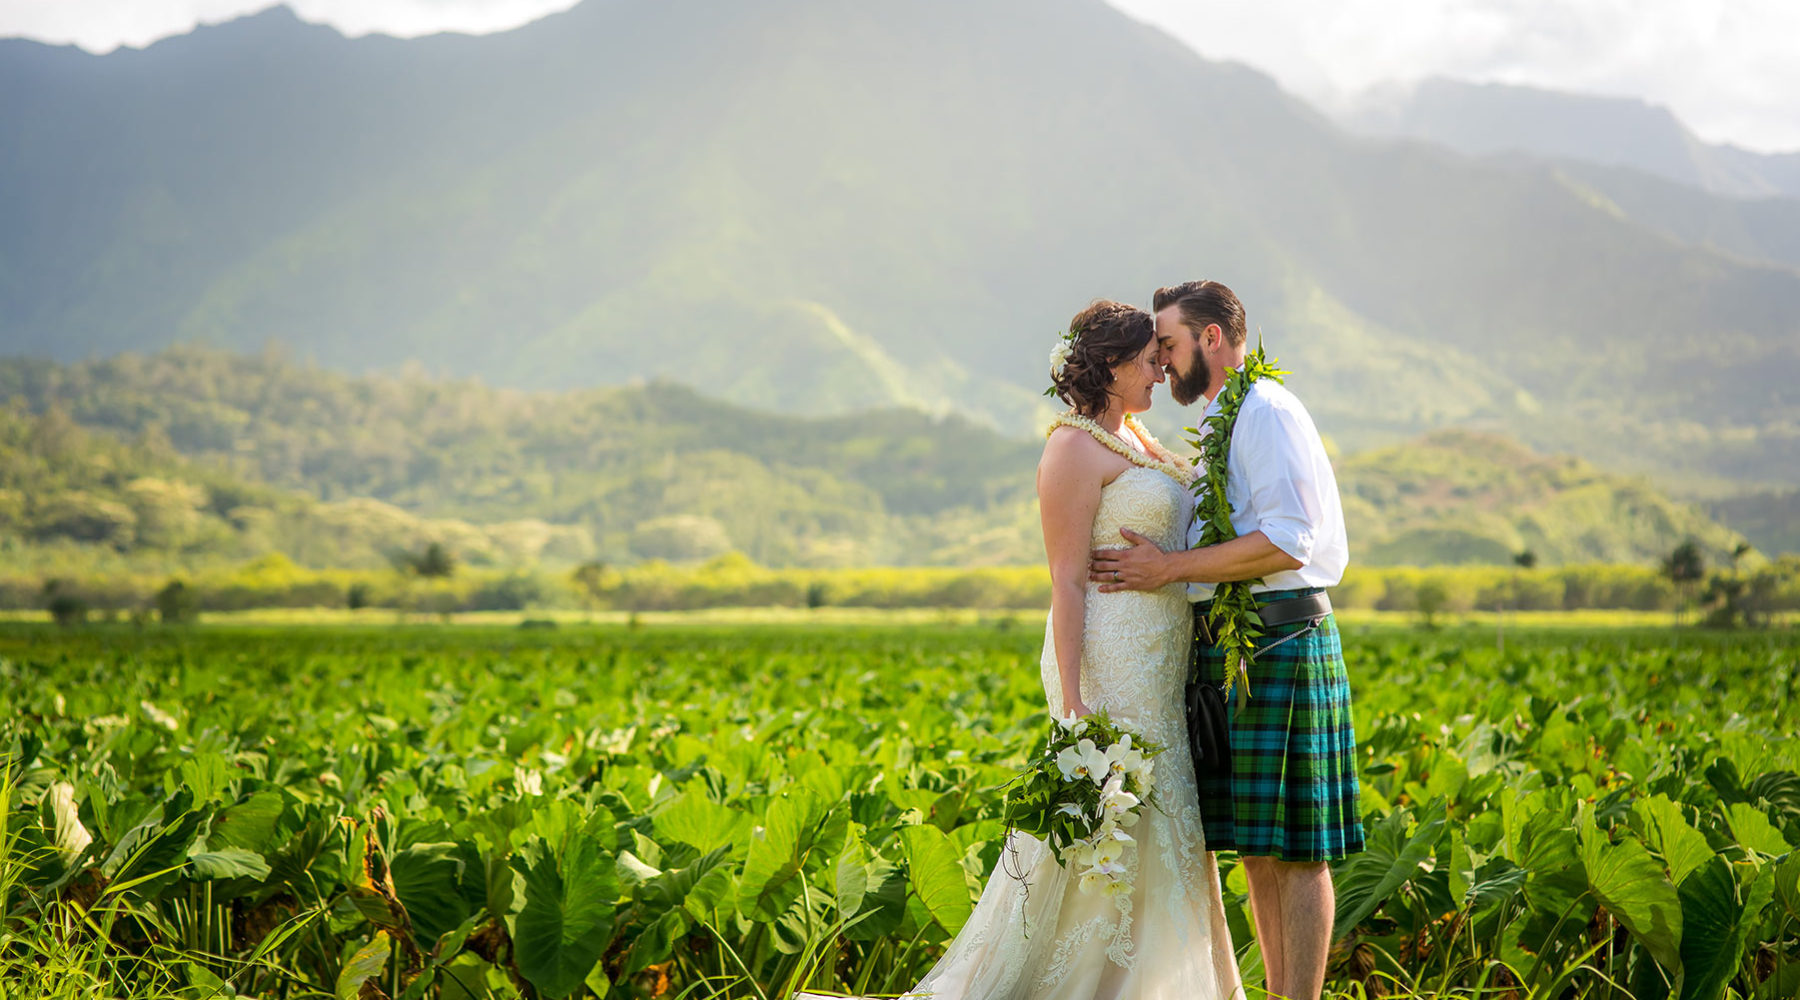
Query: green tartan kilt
1292, 791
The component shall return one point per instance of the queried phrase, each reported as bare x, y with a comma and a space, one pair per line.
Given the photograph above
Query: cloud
1725, 67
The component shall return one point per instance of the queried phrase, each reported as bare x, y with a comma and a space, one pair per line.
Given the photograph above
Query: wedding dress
1041, 937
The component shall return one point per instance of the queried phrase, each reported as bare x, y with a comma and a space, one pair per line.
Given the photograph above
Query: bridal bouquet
1081, 795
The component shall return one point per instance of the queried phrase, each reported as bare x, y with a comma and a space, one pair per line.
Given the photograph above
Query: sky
1727, 68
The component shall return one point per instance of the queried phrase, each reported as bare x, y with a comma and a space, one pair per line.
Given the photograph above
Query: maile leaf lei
1233, 614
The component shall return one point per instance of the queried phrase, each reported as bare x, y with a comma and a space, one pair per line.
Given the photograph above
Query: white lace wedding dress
1042, 938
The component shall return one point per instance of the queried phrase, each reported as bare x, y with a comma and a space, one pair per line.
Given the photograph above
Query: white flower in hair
1059, 358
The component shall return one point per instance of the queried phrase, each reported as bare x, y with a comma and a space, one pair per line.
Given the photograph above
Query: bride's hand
1077, 708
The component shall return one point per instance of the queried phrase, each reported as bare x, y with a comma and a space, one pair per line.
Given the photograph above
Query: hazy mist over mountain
820, 207
1491, 119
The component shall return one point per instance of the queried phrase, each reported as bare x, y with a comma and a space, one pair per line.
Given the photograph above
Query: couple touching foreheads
1131, 633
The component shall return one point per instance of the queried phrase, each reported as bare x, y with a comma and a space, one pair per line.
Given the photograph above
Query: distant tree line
1743, 594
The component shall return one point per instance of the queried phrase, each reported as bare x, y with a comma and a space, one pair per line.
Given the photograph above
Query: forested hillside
194, 453
1458, 497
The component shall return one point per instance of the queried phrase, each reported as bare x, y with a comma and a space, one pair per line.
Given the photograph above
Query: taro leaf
250, 824
1722, 775
674, 889
426, 880
632, 870
937, 875
850, 878
1666, 828
157, 845
206, 774
1497, 879
227, 862
566, 919
596, 981
1780, 789
1631, 885
711, 890
772, 870
883, 903
692, 818
1717, 927
1390, 858
1787, 882
1460, 867
367, 963
502, 885
1751, 828
657, 942
1782, 984
1547, 844
420, 989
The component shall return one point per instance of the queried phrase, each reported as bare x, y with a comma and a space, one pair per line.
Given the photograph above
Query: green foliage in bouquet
1088, 784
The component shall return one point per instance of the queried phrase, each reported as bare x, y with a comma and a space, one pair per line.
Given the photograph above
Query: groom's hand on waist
1140, 567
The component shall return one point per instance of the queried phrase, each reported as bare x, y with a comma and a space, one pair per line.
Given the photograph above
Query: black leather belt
1310, 607
1289, 610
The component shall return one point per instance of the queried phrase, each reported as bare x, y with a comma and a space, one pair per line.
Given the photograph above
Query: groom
1289, 804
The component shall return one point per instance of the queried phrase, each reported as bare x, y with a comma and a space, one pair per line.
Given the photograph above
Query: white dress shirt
1279, 482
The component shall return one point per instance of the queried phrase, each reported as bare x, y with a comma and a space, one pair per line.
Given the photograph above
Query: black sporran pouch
1208, 728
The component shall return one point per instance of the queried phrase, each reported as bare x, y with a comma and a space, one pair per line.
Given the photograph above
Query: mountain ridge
1492, 119
820, 208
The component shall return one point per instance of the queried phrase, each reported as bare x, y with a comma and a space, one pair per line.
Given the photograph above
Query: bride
1040, 936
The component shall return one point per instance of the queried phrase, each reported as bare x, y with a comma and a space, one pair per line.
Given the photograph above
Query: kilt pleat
1292, 792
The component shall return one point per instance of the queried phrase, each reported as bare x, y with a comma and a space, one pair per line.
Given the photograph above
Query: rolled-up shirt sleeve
1284, 487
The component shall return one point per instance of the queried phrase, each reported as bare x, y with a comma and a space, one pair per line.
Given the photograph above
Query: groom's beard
1190, 385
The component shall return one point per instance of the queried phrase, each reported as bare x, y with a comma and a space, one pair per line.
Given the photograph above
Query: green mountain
821, 207
346, 469
1491, 119
1461, 497
75, 500
623, 474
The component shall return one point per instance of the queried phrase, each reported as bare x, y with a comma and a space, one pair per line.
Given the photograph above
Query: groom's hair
1204, 303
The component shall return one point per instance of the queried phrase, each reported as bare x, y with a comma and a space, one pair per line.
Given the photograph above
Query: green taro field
741, 812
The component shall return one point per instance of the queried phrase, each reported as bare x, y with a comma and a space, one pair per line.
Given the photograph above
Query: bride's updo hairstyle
1106, 333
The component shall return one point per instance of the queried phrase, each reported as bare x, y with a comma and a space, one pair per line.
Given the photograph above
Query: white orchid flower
1073, 724
1083, 854
1108, 852
1122, 757
1114, 799
1080, 761
1114, 867
1116, 887
1070, 809
1093, 882
1113, 785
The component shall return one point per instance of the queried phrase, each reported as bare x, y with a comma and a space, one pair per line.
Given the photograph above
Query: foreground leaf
1631, 885
1717, 927
937, 875
566, 918
366, 964
1390, 858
